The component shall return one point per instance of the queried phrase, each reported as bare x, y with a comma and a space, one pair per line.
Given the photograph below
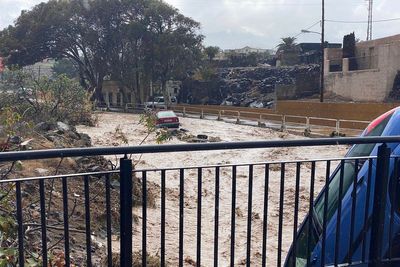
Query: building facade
369, 76
116, 95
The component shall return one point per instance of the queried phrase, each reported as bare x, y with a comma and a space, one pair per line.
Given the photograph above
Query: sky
262, 23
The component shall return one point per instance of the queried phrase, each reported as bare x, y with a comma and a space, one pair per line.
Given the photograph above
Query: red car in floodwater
167, 119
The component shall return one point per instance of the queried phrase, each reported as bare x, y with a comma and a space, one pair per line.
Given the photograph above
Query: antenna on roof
369, 30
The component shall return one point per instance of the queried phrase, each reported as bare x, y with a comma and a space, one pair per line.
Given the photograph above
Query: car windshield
361, 150
166, 114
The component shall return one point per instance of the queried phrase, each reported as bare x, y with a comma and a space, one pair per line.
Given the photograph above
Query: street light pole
321, 88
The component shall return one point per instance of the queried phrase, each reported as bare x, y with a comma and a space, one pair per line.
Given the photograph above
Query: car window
361, 150
166, 114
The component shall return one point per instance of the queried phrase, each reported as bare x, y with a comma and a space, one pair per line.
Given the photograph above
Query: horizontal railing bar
94, 151
365, 122
254, 163
75, 175
322, 119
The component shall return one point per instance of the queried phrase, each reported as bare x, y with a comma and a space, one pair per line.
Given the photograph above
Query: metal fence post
219, 116
126, 212
202, 114
283, 126
308, 126
259, 123
238, 118
338, 127
184, 112
379, 203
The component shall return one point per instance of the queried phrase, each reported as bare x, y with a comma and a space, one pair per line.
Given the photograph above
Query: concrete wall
285, 91
349, 111
344, 111
356, 85
380, 64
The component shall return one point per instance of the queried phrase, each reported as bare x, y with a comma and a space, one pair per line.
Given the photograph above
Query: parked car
310, 247
159, 102
167, 119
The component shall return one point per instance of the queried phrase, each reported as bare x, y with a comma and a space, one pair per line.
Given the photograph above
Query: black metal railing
97, 218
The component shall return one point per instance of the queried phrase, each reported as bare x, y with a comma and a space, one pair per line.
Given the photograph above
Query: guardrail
337, 126
262, 118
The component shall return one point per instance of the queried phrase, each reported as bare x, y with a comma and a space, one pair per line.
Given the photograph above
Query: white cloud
261, 23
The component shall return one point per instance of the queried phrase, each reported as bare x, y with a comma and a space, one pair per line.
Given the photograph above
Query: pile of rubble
255, 87
46, 135
250, 86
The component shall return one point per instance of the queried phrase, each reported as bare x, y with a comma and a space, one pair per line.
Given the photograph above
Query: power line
308, 28
361, 21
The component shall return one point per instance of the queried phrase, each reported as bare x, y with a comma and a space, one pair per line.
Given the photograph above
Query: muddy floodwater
112, 125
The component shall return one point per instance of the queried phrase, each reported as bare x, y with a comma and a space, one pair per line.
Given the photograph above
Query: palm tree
288, 44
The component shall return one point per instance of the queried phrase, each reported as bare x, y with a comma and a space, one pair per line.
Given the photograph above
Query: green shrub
45, 99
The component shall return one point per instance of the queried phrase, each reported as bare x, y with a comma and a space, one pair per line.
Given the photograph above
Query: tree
174, 44
288, 51
121, 38
243, 60
349, 50
67, 67
288, 44
211, 52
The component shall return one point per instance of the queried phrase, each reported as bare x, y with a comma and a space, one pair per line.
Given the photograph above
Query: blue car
308, 244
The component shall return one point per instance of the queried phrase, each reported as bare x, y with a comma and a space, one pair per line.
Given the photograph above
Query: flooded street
128, 125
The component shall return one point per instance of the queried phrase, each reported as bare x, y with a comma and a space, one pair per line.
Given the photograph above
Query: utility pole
369, 30
321, 88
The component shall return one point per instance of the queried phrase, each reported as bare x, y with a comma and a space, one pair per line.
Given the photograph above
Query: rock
256, 104
115, 183
16, 140
50, 137
18, 165
73, 135
202, 136
42, 171
44, 126
63, 127
83, 141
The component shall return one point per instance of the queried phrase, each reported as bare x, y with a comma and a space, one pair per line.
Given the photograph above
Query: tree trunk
98, 96
165, 93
